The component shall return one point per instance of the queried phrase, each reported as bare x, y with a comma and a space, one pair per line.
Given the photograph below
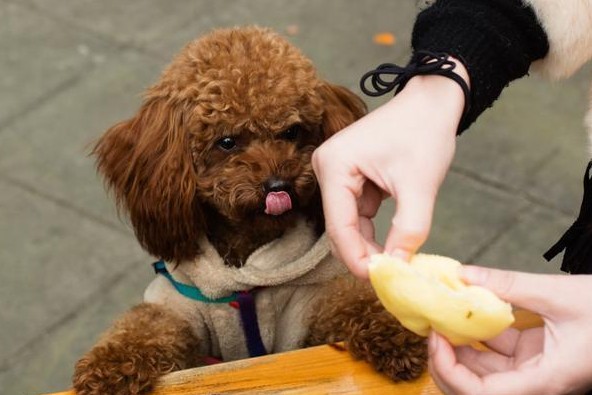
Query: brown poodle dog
215, 174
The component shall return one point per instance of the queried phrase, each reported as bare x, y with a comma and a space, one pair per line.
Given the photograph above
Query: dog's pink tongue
277, 203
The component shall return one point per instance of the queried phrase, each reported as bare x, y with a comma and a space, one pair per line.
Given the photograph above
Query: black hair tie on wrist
422, 63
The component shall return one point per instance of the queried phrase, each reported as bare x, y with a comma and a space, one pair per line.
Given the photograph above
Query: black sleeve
496, 40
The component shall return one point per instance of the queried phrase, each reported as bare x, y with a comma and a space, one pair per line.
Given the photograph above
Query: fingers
453, 377
411, 223
531, 343
340, 205
505, 343
370, 200
483, 363
507, 351
343, 227
368, 205
449, 376
367, 231
529, 291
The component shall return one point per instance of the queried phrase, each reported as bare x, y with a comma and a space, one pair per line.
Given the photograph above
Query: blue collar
188, 290
245, 303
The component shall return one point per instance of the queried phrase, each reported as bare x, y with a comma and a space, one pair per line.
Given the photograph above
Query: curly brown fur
351, 312
144, 344
170, 172
175, 182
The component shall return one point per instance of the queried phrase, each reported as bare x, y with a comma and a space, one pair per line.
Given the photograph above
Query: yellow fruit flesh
427, 293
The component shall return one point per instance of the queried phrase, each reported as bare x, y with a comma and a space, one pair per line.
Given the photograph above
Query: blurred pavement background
71, 68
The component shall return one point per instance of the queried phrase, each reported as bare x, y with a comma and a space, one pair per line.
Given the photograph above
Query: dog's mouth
277, 203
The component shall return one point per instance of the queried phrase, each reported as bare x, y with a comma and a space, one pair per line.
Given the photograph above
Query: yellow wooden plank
317, 370
526, 319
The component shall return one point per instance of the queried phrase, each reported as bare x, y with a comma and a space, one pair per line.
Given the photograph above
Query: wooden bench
317, 370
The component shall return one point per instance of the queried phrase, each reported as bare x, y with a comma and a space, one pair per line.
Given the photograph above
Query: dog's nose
275, 184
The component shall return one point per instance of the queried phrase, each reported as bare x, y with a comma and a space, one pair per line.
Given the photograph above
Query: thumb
410, 225
535, 292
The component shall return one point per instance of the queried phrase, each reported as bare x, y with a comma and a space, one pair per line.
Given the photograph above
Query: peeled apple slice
427, 293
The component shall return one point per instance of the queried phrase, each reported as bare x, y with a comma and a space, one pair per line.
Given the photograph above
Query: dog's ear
342, 107
146, 162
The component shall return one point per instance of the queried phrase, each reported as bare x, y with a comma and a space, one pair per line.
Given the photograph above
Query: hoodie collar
298, 257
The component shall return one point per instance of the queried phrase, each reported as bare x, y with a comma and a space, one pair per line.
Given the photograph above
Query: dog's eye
226, 143
291, 134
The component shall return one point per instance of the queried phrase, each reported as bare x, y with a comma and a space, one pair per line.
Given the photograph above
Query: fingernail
432, 342
399, 253
473, 274
362, 269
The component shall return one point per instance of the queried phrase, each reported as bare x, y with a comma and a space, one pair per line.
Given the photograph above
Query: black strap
577, 240
422, 63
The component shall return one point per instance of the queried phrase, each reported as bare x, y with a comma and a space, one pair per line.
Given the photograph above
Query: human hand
554, 359
402, 150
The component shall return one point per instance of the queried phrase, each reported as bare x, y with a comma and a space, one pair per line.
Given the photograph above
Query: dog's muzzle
278, 199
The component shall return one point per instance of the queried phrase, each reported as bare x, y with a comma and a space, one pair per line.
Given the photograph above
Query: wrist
422, 77
443, 87
460, 70
441, 97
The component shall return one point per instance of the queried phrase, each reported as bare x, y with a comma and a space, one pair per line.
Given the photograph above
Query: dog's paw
378, 338
351, 312
117, 371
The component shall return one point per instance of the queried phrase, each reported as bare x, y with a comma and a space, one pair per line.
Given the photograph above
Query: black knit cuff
496, 40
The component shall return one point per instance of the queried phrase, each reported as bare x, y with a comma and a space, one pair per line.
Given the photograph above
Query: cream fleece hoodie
293, 269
